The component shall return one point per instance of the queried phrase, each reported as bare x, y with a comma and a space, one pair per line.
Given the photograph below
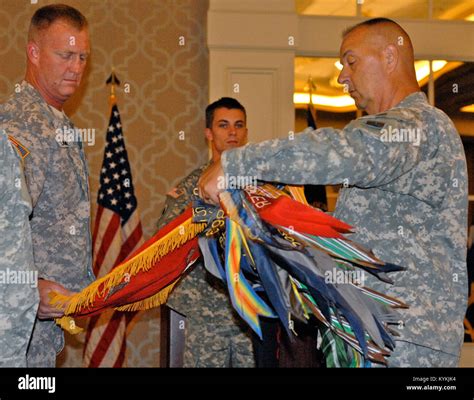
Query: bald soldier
55, 169
404, 179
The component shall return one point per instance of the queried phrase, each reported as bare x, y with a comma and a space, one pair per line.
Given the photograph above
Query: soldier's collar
50, 112
413, 98
31, 91
56, 112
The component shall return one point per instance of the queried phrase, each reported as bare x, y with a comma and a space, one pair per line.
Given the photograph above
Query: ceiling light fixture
322, 101
345, 103
469, 108
422, 68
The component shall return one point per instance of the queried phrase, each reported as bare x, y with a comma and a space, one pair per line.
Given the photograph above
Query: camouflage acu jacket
404, 181
57, 181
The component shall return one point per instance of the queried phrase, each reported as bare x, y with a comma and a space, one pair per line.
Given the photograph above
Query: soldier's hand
45, 310
209, 183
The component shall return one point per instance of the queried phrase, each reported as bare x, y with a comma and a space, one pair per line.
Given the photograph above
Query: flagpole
311, 87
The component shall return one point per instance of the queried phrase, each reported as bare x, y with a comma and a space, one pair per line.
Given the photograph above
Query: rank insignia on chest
21, 150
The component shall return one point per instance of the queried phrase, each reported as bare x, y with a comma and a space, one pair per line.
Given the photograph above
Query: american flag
117, 233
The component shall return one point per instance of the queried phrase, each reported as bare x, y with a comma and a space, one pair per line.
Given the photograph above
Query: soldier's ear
32, 52
391, 57
208, 133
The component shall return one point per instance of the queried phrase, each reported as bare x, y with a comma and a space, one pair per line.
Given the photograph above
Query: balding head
377, 23
378, 61
382, 32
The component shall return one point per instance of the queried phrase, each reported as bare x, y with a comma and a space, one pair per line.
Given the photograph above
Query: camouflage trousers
410, 355
46, 342
214, 334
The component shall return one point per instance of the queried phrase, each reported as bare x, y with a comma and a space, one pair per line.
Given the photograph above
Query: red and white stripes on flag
117, 233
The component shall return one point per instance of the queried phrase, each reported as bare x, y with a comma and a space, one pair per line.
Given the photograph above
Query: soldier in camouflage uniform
18, 284
56, 171
215, 335
404, 178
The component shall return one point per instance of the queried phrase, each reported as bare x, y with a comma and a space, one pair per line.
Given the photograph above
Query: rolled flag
145, 278
273, 252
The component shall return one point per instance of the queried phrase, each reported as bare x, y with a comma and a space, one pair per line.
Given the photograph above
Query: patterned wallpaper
158, 50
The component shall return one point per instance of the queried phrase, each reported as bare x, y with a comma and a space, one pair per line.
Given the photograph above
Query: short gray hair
45, 16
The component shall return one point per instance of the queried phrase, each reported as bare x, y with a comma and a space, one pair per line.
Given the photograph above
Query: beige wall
168, 85
168, 94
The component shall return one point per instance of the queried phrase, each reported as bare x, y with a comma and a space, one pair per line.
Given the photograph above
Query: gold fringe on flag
142, 261
68, 324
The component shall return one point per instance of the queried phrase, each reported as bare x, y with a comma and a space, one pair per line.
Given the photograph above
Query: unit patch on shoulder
175, 193
21, 150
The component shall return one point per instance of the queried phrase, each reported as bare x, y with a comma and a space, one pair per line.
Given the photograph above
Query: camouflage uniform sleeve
36, 166
18, 279
356, 155
179, 198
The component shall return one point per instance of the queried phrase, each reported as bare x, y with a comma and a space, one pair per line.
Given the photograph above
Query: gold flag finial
112, 81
